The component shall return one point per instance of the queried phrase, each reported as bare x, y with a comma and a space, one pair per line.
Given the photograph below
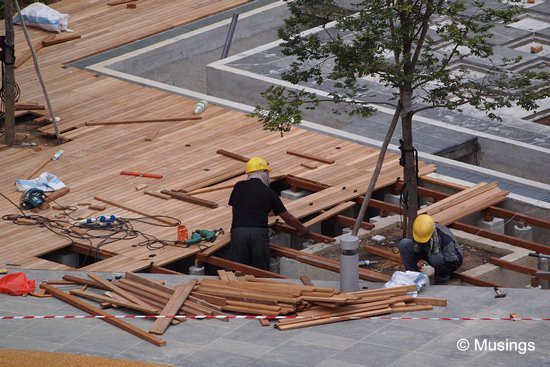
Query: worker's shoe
442, 280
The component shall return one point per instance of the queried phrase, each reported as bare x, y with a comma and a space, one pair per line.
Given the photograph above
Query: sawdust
30, 358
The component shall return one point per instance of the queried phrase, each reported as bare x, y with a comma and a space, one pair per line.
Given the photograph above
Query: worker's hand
420, 264
303, 231
428, 270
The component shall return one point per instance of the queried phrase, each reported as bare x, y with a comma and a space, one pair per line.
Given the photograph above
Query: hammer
499, 294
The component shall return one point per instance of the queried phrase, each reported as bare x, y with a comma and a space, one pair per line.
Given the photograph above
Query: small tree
417, 49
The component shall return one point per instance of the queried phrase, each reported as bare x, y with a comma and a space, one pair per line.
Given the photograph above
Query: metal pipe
230, 34
536, 254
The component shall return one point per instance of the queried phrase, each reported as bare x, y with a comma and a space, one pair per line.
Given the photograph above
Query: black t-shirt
252, 201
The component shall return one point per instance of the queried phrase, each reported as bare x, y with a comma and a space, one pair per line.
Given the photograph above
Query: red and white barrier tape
200, 317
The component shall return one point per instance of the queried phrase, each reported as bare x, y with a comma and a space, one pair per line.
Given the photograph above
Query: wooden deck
184, 153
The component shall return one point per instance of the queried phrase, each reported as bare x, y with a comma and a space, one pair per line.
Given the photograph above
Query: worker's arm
294, 222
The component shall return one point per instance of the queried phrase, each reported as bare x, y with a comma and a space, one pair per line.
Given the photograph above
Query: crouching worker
433, 247
252, 200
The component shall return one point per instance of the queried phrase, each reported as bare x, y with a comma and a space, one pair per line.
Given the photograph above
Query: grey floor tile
19, 342
213, 358
353, 329
446, 346
83, 350
52, 330
506, 359
196, 333
238, 347
324, 340
106, 338
370, 355
300, 353
172, 352
337, 363
427, 360
402, 337
262, 362
255, 334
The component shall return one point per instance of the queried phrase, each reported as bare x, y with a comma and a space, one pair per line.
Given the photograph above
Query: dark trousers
410, 259
250, 246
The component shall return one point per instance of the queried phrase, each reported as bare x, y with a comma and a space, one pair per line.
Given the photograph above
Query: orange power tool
140, 174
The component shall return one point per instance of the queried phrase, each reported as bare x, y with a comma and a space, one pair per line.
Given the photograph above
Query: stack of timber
465, 202
306, 305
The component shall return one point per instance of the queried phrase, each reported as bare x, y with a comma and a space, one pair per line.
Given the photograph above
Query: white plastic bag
42, 16
400, 278
45, 182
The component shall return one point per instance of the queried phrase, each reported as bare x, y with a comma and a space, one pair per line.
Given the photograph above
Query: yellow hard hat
257, 164
423, 228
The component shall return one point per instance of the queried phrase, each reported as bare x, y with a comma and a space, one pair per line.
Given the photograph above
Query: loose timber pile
308, 304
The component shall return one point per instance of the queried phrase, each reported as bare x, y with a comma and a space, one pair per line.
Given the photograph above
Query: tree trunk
410, 172
410, 190
377, 170
9, 77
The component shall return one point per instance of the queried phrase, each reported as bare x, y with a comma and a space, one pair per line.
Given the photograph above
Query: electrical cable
96, 236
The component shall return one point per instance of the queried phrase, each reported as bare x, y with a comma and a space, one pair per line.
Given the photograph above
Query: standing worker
252, 201
433, 249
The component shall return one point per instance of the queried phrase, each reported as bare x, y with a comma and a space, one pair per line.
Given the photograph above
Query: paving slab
354, 343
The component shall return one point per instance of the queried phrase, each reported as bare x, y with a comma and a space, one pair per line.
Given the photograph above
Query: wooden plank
513, 267
311, 157
475, 281
440, 302
112, 287
329, 213
224, 263
61, 38
305, 279
135, 210
457, 198
190, 199
52, 196
107, 317
181, 292
38, 167
115, 301
152, 134
83, 281
157, 195
120, 2
232, 155
142, 121
27, 54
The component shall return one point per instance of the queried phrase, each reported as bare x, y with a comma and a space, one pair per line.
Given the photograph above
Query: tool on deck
140, 174
200, 235
499, 294
32, 198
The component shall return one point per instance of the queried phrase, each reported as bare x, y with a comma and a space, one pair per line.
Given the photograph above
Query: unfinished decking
184, 153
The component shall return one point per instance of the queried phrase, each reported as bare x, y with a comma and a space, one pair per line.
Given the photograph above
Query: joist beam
327, 214
304, 183
513, 267
107, 317
285, 228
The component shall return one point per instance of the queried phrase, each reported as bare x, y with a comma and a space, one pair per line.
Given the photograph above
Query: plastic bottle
200, 106
58, 154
